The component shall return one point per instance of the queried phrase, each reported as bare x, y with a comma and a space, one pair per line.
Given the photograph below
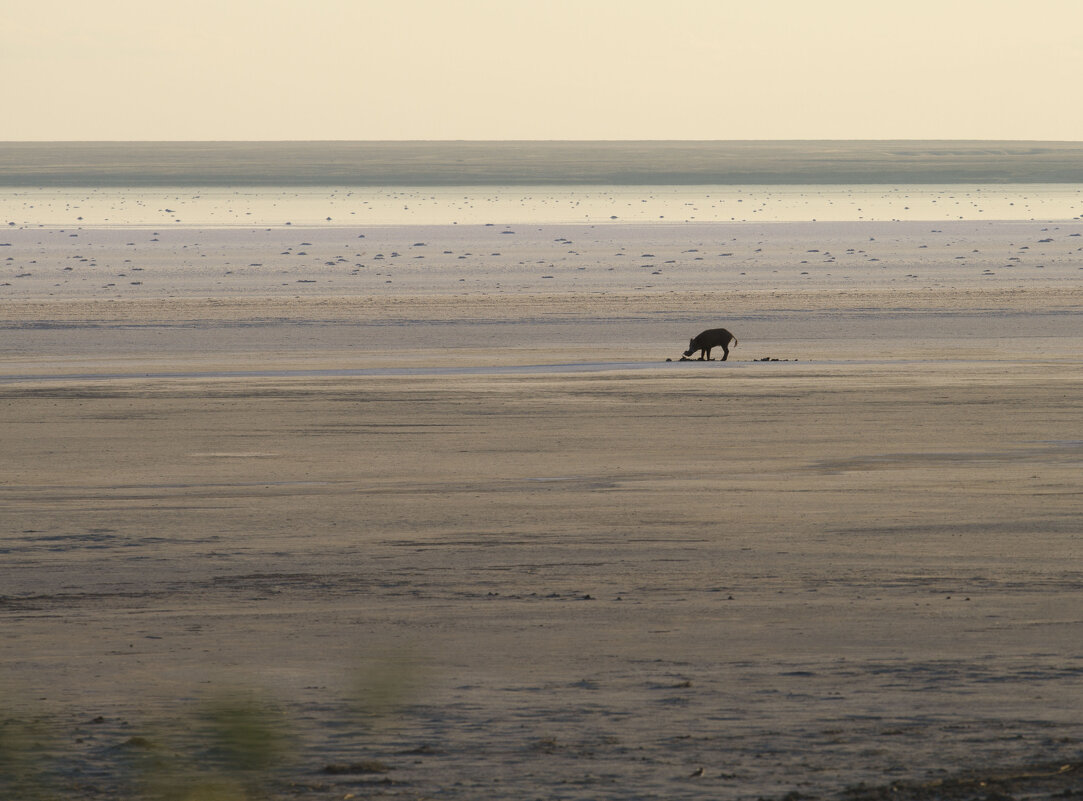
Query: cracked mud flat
854, 576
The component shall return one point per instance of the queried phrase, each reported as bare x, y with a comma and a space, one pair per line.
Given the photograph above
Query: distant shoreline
476, 163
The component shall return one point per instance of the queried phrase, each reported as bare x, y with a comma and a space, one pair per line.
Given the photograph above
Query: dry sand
580, 571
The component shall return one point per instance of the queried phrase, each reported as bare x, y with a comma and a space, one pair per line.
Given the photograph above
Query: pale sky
540, 69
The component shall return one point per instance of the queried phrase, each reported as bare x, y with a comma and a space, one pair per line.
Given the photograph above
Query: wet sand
650, 579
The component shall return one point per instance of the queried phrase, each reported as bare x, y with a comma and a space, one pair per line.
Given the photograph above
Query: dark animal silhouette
711, 338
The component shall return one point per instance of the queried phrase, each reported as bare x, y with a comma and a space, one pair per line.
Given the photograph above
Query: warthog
711, 338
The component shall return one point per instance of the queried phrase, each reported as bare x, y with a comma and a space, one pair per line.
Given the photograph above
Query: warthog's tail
734, 341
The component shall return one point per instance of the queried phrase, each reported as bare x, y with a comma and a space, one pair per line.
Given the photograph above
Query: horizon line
534, 141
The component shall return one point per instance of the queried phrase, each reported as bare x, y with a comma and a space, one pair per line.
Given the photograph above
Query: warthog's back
713, 337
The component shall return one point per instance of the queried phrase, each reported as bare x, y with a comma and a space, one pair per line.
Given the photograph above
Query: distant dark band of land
116, 164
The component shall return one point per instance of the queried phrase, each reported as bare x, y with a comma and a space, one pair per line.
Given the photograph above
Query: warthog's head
691, 347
